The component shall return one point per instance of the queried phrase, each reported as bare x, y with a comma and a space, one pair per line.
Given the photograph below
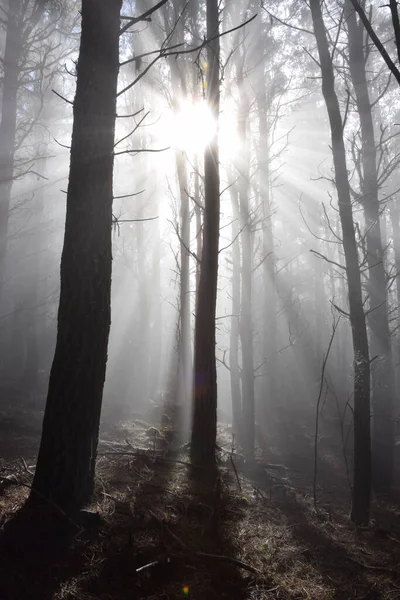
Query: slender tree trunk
185, 353
178, 79
395, 221
246, 325
270, 300
362, 435
142, 348
236, 392
156, 317
198, 221
205, 372
8, 127
380, 344
66, 463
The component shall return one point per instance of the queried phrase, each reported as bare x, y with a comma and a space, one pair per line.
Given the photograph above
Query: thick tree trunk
362, 435
205, 372
66, 463
380, 344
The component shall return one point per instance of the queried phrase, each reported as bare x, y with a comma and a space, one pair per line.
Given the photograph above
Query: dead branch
321, 387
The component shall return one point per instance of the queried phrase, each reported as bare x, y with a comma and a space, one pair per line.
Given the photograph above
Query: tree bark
66, 463
204, 429
362, 435
378, 320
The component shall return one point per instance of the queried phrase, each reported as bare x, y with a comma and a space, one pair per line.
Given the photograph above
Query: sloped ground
167, 532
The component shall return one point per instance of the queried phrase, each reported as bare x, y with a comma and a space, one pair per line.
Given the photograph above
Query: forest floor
165, 531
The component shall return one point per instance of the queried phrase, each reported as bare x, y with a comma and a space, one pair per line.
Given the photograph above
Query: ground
159, 529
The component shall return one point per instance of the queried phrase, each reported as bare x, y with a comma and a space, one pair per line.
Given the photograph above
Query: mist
243, 180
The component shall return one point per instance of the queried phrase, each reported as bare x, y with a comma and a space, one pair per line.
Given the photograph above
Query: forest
199, 299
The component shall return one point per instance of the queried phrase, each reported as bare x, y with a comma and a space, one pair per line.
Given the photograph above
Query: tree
380, 343
204, 429
362, 443
246, 237
66, 462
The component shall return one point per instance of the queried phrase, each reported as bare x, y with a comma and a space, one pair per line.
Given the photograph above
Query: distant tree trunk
66, 463
268, 266
178, 80
205, 372
8, 127
198, 220
246, 325
380, 343
142, 347
362, 435
236, 392
30, 280
185, 353
156, 335
395, 221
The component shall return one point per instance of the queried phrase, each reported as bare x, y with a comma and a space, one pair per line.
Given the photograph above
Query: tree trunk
246, 325
8, 127
270, 300
380, 344
236, 392
362, 435
66, 463
395, 221
185, 353
205, 372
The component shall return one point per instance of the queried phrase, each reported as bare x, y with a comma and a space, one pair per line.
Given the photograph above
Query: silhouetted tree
378, 320
66, 462
362, 443
204, 429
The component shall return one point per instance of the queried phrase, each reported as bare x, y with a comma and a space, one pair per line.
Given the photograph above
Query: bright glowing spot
185, 590
194, 127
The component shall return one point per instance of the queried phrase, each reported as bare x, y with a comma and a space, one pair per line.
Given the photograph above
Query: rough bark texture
204, 429
378, 321
66, 462
362, 436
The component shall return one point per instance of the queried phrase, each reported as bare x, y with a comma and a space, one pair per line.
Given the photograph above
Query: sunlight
194, 127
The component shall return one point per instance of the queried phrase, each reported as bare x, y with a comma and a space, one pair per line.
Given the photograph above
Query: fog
286, 241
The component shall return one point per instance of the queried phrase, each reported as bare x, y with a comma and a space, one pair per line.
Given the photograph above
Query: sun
194, 127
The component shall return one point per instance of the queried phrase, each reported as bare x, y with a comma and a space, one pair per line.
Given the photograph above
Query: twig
376, 40
232, 560
321, 387
236, 473
62, 97
148, 566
